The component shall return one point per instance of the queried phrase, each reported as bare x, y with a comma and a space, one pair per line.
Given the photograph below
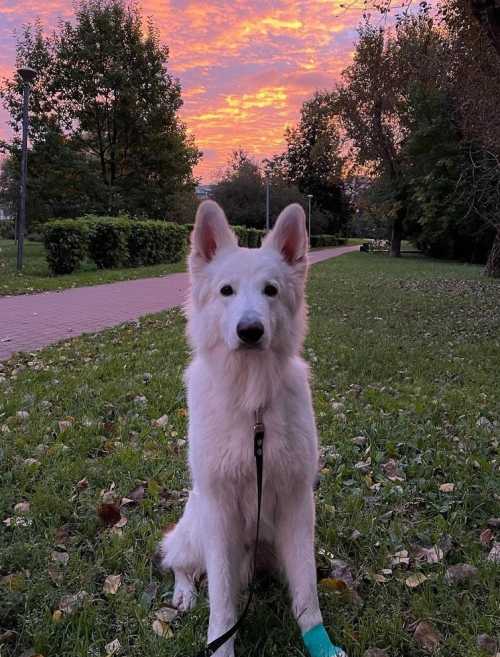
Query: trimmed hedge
65, 241
112, 242
326, 240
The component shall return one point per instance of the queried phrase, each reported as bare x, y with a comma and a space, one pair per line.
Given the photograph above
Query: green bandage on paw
318, 643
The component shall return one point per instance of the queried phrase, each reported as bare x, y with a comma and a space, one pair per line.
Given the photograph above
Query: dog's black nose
250, 332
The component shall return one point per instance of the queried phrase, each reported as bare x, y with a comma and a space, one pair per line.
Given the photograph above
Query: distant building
204, 191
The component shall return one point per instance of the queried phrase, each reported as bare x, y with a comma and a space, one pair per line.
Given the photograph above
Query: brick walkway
32, 321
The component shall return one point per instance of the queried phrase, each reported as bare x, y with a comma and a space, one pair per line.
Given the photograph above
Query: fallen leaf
460, 573
83, 484
71, 603
487, 644
136, 495
57, 616
429, 555
333, 584
109, 513
340, 570
392, 471
22, 507
415, 580
427, 636
60, 557
162, 629
121, 523
17, 522
22, 415
494, 522
112, 648
494, 554
375, 652
400, 558
447, 488
355, 535
160, 422
359, 441
64, 425
111, 584
166, 614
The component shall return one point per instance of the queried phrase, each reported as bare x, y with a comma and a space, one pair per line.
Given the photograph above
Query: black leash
258, 443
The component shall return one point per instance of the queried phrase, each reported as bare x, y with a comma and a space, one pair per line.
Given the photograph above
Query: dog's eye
271, 290
226, 291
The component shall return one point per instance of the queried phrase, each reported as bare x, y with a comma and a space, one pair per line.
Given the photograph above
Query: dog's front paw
184, 597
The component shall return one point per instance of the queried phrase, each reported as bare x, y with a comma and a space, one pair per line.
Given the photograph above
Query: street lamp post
28, 75
267, 203
309, 198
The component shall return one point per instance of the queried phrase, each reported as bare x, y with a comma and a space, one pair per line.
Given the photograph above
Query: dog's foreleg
223, 547
295, 544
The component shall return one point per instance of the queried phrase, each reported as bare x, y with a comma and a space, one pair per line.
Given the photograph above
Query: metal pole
27, 75
267, 204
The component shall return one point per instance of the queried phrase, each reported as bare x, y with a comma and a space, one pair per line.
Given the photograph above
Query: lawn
36, 277
404, 356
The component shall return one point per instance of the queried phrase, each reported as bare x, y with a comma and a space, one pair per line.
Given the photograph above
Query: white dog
246, 324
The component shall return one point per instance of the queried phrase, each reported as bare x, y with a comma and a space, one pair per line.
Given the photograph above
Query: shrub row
250, 237
326, 240
112, 242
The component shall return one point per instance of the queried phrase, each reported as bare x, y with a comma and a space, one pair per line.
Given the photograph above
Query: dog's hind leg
180, 552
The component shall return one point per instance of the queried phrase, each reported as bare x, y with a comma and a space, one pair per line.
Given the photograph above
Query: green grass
409, 349
36, 277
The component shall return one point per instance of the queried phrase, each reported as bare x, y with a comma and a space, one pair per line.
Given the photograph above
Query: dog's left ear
289, 235
211, 233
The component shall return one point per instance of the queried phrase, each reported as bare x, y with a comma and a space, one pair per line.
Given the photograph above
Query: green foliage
326, 240
104, 125
152, 242
242, 193
108, 241
112, 242
7, 229
65, 241
313, 161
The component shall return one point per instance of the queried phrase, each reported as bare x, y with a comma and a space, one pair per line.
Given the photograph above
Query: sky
245, 67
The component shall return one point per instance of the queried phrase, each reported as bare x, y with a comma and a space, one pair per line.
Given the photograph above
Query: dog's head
247, 299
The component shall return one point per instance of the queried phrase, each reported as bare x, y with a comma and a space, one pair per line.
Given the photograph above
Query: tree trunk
396, 237
493, 264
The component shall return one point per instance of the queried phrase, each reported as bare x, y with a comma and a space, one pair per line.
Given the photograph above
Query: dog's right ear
211, 234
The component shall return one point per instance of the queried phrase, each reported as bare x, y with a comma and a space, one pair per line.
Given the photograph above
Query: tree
241, 191
313, 161
372, 100
105, 91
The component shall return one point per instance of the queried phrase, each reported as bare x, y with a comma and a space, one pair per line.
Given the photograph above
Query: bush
65, 241
7, 229
108, 241
153, 242
113, 242
326, 241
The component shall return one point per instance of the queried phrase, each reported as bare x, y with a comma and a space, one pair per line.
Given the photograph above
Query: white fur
226, 383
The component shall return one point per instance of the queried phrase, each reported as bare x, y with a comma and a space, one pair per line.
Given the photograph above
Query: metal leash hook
258, 448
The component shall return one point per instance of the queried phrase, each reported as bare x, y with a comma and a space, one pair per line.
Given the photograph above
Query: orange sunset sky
245, 67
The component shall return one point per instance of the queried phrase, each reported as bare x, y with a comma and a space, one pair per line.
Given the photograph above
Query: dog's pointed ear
211, 233
289, 235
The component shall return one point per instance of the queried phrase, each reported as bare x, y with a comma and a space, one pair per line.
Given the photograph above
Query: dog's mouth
244, 346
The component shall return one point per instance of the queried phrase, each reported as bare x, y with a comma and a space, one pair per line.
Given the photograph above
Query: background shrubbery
326, 240
112, 242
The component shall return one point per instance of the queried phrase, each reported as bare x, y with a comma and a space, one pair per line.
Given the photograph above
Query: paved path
31, 321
